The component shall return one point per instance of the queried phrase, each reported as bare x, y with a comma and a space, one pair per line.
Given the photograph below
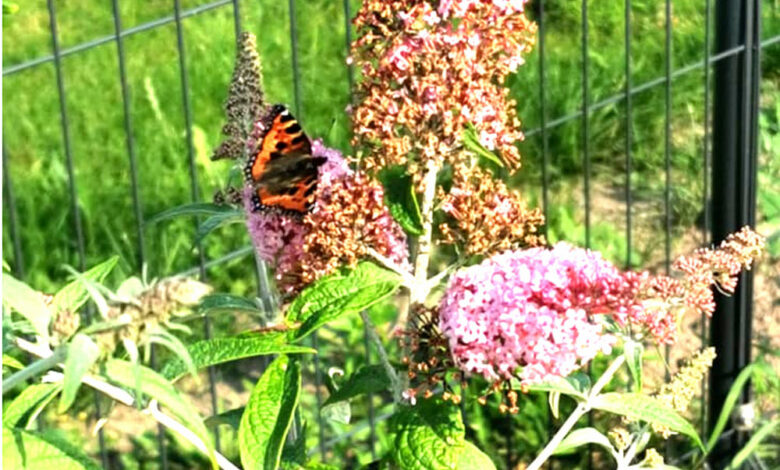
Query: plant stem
422, 258
36, 368
395, 382
578, 413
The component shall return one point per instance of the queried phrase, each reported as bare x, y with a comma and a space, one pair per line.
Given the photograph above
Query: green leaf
75, 294
157, 387
474, 459
201, 208
471, 142
227, 303
576, 385
295, 452
12, 362
401, 199
42, 451
755, 440
728, 405
231, 418
32, 398
220, 350
28, 302
337, 295
633, 351
216, 221
428, 436
645, 408
367, 379
581, 437
269, 413
82, 354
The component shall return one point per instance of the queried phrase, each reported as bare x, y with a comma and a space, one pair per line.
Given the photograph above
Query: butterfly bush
348, 218
431, 68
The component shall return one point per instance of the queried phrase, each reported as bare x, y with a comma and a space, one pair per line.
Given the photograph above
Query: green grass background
33, 140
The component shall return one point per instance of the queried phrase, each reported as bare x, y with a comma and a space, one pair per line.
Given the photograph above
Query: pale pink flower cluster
529, 313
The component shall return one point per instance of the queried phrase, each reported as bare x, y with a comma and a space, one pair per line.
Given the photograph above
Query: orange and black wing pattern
283, 171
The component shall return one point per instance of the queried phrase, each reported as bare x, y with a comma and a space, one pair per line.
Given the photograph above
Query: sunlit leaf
269, 413
474, 459
581, 437
227, 303
22, 410
220, 350
216, 221
401, 199
576, 385
28, 303
197, 209
428, 436
337, 295
42, 451
75, 294
82, 354
728, 405
645, 408
633, 350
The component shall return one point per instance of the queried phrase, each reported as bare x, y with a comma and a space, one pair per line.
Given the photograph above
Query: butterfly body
283, 171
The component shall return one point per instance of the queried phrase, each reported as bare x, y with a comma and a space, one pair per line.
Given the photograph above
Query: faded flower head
348, 218
245, 102
485, 217
677, 394
527, 313
429, 70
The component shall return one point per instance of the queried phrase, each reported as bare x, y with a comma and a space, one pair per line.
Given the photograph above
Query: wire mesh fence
749, 52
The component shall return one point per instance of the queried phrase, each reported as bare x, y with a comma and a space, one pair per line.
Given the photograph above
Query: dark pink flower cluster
528, 313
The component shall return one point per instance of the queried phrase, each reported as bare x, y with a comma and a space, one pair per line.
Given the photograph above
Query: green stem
36, 368
581, 410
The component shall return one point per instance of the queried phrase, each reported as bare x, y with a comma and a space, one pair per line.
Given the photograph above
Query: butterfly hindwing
283, 170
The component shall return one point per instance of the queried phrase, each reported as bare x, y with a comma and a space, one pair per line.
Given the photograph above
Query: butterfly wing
283, 170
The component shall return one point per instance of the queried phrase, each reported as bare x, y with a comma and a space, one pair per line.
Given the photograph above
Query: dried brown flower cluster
485, 216
245, 103
677, 394
152, 308
350, 219
431, 68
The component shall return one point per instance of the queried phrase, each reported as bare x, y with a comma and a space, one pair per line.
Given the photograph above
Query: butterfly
282, 169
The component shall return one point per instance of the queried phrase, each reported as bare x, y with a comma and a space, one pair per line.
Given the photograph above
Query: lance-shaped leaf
216, 221
82, 353
428, 436
42, 451
633, 351
337, 295
367, 379
575, 385
154, 385
645, 408
227, 303
269, 413
474, 459
28, 302
200, 208
220, 350
231, 418
75, 294
581, 437
23, 410
471, 141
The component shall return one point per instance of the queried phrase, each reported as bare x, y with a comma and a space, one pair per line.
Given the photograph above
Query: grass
34, 148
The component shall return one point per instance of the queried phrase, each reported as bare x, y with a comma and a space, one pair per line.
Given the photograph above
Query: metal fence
733, 65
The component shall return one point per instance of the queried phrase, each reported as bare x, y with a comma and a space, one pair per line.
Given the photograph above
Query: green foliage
28, 303
401, 199
269, 413
647, 409
73, 296
581, 437
339, 294
367, 379
82, 354
221, 350
23, 410
227, 303
42, 451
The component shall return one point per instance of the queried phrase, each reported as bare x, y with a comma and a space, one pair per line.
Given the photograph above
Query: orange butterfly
283, 171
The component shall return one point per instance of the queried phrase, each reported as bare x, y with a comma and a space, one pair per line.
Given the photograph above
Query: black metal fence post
734, 172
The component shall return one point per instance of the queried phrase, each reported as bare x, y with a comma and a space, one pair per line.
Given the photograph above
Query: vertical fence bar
706, 190
733, 205
586, 158
72, 191
237, 18
543, 117
667, 168
629, 127
135, 193
299, 113
10, 200
194, 193
366, 339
